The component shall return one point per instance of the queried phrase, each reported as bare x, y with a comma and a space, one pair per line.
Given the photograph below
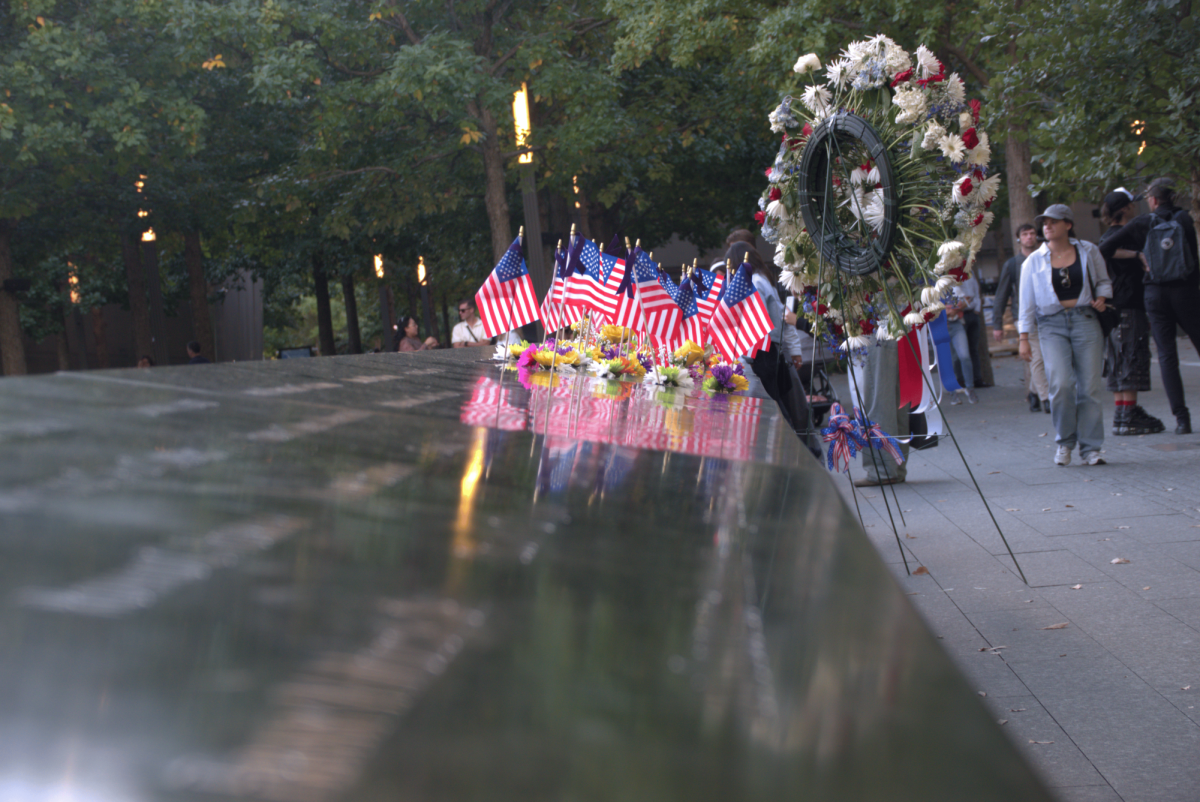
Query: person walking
1172, 283
1127, 349
1037, 391
1064, 284
960, 342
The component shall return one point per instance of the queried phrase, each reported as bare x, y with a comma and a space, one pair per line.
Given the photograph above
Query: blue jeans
1073, 351
962, 349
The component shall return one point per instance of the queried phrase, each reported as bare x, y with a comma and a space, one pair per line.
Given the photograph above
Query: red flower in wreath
902, 77
974, 104
776, 193
970, 138
760, 217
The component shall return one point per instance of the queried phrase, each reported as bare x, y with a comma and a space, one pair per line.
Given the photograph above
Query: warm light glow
149, 236
521, 122
575, 186
1139, 128
73, 281
143, 213
421, 270
378, 266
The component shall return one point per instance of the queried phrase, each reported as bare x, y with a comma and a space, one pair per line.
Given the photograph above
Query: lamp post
388, 325
426, 306
533, 222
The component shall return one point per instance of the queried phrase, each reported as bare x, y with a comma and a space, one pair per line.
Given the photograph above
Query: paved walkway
1094, 667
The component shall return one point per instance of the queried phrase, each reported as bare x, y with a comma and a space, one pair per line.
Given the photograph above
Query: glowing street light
533, 223
521, 122
378, 266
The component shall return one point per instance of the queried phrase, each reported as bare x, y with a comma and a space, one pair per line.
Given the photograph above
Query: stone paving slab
1109, 688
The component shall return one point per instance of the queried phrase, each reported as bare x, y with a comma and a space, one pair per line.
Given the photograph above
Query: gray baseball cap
1058, 211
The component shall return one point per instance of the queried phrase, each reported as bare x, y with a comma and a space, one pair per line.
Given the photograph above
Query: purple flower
723, 374
646, 360
610, 351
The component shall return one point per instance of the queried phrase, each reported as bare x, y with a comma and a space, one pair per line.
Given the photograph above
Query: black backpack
1167, 253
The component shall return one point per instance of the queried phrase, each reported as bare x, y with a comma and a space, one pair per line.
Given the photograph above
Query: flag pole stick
508, 323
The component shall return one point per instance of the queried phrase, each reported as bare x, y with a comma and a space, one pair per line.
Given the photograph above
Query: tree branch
495, 68
332, 62
967, 62
403, 24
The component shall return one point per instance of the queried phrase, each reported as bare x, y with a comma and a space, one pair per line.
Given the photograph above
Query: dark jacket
1007, 287
1132, 237
1128, 276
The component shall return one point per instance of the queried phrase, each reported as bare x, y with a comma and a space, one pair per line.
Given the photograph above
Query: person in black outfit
194, 356
1127, 349
1169, 303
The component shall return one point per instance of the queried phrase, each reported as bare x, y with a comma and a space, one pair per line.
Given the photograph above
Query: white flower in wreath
927, 63
944, 285
957, 192
984, 224
933, 136
955, 90
912, 103
988, 188
950, 254
777, 210
855, 342
788, 281
874, 210
914, 318
981, 154
837, 73
807, 63
965, 120
952, 147
898, 59
817, 99
859, 176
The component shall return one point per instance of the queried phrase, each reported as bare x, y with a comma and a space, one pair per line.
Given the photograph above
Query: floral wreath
898, 202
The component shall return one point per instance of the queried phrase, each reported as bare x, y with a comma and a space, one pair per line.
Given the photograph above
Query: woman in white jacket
1064, 284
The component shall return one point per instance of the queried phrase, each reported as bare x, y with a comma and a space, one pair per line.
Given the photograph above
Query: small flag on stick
741, 319
506, 301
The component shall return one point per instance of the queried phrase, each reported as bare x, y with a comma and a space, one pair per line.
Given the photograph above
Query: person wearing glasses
1064, 284
468, 332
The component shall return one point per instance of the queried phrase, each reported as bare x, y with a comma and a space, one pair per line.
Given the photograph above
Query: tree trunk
1020, 202
495, 198
12, 346
353, 332
100, 334
193, 259
325, 343
139, 307
445, 320
64, 353
1196, 201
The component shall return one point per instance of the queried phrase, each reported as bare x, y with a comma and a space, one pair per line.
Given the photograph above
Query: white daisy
874, 210
914, 318
952, 147
989, 187
807, 63
927, 63
776, 209
981, 154
817, 99
955, 90
957, 192
836, 73
930, 296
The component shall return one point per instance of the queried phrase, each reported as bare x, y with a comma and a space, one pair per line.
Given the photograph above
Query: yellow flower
547, 358
615, 334
516, 349
739, 383
689, 352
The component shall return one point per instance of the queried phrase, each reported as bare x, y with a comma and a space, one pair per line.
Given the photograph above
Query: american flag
555, 312
650, 307
708, 288
741, 320
585, 286
663, 319
506, 301
693, 321
489, 407
612, 270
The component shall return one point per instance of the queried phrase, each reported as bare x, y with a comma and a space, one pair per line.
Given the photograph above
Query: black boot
1144, 422
1183, 423
1121, 420
1046, 406
1034, 404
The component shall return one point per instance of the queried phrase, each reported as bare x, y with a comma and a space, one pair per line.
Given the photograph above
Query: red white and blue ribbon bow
878, 438
844, 438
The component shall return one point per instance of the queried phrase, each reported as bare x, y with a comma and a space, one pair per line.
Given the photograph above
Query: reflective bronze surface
397, 577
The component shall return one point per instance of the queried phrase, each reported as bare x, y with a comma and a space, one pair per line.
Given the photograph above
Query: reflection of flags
489, 407
741, 320
585, 286
506, 301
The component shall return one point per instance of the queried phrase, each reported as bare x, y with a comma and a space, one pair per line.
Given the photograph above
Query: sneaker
971, 397
1093, 458
1142, 422
955, 399
1034, 404
1062, 456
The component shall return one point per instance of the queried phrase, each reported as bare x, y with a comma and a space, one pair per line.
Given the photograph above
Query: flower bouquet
623, 368
670, 377
550, 355
509, 352
726, 380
